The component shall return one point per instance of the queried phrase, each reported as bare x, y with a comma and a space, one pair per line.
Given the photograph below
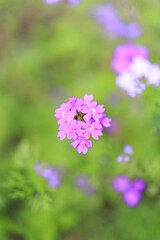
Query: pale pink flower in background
124, 55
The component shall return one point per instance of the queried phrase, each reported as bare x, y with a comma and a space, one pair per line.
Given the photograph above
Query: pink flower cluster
132, 65
124, 55
79, 119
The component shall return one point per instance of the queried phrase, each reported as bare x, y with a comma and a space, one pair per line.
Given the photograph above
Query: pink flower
94, 129
124, 55
82, 145
79, 119
93, 111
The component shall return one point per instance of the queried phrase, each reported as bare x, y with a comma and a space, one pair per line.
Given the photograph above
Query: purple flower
124, 55
131, 190
132, 197
89, 189
79, 119
126, 159
55, 179
120, 158
132, 30
51, 1
38, 168
107, 16
74, 2
125, 156
71, 2
139, 184
47, 172
82, 182
128, 149
51, 175
121, 183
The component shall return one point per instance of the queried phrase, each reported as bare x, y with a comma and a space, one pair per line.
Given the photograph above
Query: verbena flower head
124, 55
80, 119
107, 16
51, 175
140, 73
131, 190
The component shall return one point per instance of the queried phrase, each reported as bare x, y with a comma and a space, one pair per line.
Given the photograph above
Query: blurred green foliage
50, 53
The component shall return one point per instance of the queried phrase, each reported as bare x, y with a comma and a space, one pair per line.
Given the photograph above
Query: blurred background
48, 53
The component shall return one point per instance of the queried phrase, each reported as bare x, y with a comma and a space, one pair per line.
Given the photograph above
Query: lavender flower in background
120, 158
126, 159
125, 156
71, 2
82, 182
124, 54
51, 1
74, 2
55, 179
38, 168
89, 189
132, 30
128, 149
51, 175
79, 119
107, 16
131, 190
